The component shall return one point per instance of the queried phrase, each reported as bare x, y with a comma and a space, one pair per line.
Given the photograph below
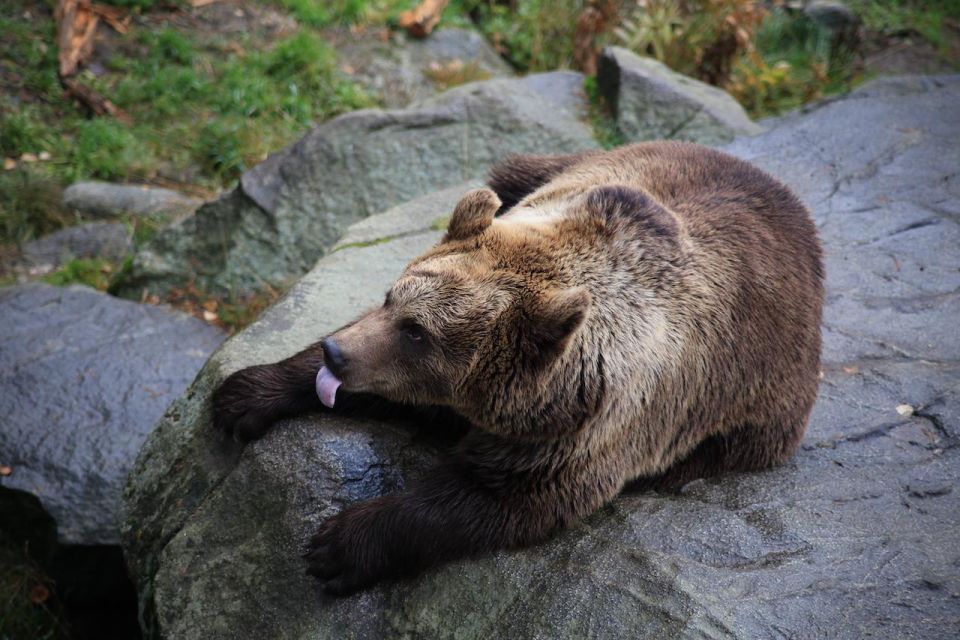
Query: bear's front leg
470, 505
249, 401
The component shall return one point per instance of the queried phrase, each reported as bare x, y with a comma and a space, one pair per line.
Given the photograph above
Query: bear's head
478, 323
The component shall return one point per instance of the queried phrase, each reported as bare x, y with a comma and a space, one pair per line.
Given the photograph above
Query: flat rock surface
858, 536
84, 377
290, 209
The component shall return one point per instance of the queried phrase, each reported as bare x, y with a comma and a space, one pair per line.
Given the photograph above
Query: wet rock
294, 206
856, 537
83, 379
107, 200
403, 70
652, 102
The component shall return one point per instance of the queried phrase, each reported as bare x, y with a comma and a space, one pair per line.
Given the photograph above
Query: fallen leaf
9, 164
851, 370
28, 157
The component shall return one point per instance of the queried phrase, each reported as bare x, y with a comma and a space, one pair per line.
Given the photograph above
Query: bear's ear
558, 317
473, 214
617, 205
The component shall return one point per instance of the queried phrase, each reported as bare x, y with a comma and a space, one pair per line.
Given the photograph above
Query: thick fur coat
650, 313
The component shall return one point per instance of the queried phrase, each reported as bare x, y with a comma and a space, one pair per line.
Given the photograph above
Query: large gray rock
83, 379
652, 102
402, 70
108, 200
106, 240
856, 537
292, 207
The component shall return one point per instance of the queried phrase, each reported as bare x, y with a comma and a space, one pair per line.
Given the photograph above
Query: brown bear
651, 312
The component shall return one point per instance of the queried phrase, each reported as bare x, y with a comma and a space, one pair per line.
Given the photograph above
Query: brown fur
648, 313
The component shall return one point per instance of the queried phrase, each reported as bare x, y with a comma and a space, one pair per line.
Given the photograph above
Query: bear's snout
333, 356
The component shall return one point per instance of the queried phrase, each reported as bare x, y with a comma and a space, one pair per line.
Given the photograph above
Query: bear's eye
414, 333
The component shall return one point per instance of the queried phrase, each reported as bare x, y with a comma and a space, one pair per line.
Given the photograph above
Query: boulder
83, 379
295, 205
402, 70
106, 240
111, 241
652, 102
856, 537
108, 200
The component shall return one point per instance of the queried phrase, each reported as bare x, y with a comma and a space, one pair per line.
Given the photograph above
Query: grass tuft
29, 205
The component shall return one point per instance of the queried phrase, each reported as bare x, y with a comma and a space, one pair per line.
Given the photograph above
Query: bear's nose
332, 355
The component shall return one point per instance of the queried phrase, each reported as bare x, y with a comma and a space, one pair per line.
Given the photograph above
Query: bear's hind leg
747, 448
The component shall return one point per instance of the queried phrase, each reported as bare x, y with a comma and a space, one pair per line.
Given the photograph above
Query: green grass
226, 113
29, 205
926, 18
535, 35
202, 105
95, 273
21, 131
795, 61
321, 13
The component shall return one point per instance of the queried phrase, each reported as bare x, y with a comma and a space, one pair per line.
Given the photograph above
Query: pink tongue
327, 385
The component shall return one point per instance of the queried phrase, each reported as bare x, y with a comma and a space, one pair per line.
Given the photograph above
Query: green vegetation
601, 119
928, 18
29, 206
321, 13
245, 106
794, 61
201, 106
95, 273
535, 35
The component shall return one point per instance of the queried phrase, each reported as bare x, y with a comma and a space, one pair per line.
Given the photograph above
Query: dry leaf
9, 164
